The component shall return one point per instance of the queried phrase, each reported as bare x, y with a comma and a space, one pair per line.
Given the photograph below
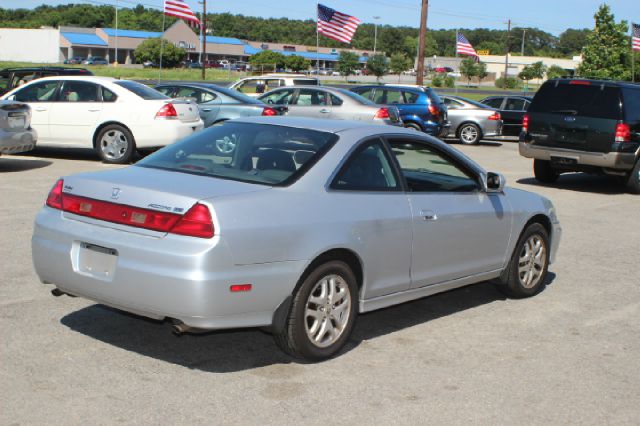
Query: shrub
437, 81
449, 81
510, 83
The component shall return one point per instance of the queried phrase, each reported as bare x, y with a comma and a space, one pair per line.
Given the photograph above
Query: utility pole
523, 33
203, 25
506, 56
421, 43
116, 52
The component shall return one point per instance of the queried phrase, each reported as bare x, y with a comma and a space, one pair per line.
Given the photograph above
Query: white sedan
115, 117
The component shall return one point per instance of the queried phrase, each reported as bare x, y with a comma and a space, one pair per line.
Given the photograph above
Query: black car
512, 110
14, 77
581, 125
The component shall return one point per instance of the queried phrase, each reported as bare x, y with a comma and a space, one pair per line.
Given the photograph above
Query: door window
166, 90
280, 97
380, 97
514, 104
394, 97
368, 169
494, 103
38, 92
427, 170
199, 95
79, 91
410, 97
335, 101
310, 97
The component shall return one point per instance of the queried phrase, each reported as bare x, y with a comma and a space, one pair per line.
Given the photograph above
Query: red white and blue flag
180, 9
463, 47
335, 25
635, 37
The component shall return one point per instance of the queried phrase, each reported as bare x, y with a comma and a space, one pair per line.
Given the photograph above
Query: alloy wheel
532, 261
327, 311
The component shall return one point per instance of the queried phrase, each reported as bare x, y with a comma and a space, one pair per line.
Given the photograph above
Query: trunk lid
187, 109
14, 116
151, 189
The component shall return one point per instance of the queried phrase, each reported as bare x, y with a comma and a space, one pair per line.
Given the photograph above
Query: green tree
377, 65
555, 71
469, 68
398, 64
149, 50
348, 62
297, 63
267, 59
481, 72
572, 41
536, 70
607, 52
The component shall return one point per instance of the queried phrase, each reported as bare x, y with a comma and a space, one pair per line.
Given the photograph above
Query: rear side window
108, 95
394, 97
410, 97
366, 93
4, 82
583, 100
44, 91
631, 100
368, 169
78, 91
493, 102
141, 90
301, 82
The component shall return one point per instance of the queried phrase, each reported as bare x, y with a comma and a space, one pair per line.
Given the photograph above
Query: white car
115, 117
256, 86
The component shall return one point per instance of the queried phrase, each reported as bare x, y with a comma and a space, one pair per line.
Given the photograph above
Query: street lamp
375, 34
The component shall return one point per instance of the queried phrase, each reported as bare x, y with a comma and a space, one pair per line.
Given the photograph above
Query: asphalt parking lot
570, 355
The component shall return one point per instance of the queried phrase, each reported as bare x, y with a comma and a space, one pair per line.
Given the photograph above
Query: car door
512, 114
378, 222
310, 103
458, 229
40, 96
74, 117
208, 103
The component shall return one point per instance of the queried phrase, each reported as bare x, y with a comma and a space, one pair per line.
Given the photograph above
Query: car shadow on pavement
10, 165
236, 350
85, 154
581, 182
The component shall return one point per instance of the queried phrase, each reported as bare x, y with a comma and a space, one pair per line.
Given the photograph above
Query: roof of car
82, 77
528, 98
71, 69
594, 81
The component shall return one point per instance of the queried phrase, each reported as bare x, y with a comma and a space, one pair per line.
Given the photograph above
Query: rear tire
322, 314
527, 270
115, 144
469, 134
633, 183
543, 171
413, 126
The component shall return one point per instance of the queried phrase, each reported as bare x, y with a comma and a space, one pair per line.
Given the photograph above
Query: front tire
322, 313
543, 171
633, 182
527, 270
115, 144
469, 134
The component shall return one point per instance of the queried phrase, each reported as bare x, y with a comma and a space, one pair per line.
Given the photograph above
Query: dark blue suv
420, 107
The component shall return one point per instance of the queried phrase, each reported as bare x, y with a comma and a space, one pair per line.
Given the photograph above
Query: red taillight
495, 116
269, 112
167, 111
382, 113
623, 132
580, 83
433, 110
196, 222
236, 288
54, 199
525, 123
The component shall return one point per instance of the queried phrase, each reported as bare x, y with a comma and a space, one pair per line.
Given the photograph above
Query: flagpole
455, 86
161, 47
633, 58
317, 41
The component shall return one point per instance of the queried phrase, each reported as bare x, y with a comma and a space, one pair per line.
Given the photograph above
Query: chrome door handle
428, 215
325, 111
206, 109
40, 109
94, 110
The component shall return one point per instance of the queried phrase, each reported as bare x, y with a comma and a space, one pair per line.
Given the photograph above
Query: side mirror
494, 182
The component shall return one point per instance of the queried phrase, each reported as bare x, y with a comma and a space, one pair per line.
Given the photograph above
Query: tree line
391, 40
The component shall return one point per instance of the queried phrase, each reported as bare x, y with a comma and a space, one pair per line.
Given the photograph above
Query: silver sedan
293, 224
328, 102
16, 134
470, 120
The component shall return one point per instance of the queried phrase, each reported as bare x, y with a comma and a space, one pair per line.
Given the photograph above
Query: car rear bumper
183, 278
165, 132
609, 160
15, 142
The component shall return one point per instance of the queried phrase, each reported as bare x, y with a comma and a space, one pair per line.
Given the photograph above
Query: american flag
463, 47
336, 25
635, 37
180, 9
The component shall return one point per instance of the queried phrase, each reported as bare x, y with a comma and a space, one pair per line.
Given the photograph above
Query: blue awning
224, 40
82, 38
111, 32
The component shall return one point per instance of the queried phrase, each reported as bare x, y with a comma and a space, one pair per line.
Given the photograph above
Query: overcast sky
553, 16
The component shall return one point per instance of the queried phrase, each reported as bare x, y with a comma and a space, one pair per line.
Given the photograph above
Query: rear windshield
305, 82
577, 99
433, 96
255, 153
141, 90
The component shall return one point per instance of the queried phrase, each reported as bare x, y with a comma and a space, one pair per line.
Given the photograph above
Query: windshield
141, 90
578, 99
256, 153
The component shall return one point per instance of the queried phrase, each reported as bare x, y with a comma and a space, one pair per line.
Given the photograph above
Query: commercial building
54, 45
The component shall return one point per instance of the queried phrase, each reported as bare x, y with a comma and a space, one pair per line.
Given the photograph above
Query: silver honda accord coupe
293, 224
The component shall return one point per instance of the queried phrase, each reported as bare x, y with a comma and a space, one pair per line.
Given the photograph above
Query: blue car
420, 107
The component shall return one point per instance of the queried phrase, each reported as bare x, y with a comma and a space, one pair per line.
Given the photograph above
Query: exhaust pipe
56, 292
180, 329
